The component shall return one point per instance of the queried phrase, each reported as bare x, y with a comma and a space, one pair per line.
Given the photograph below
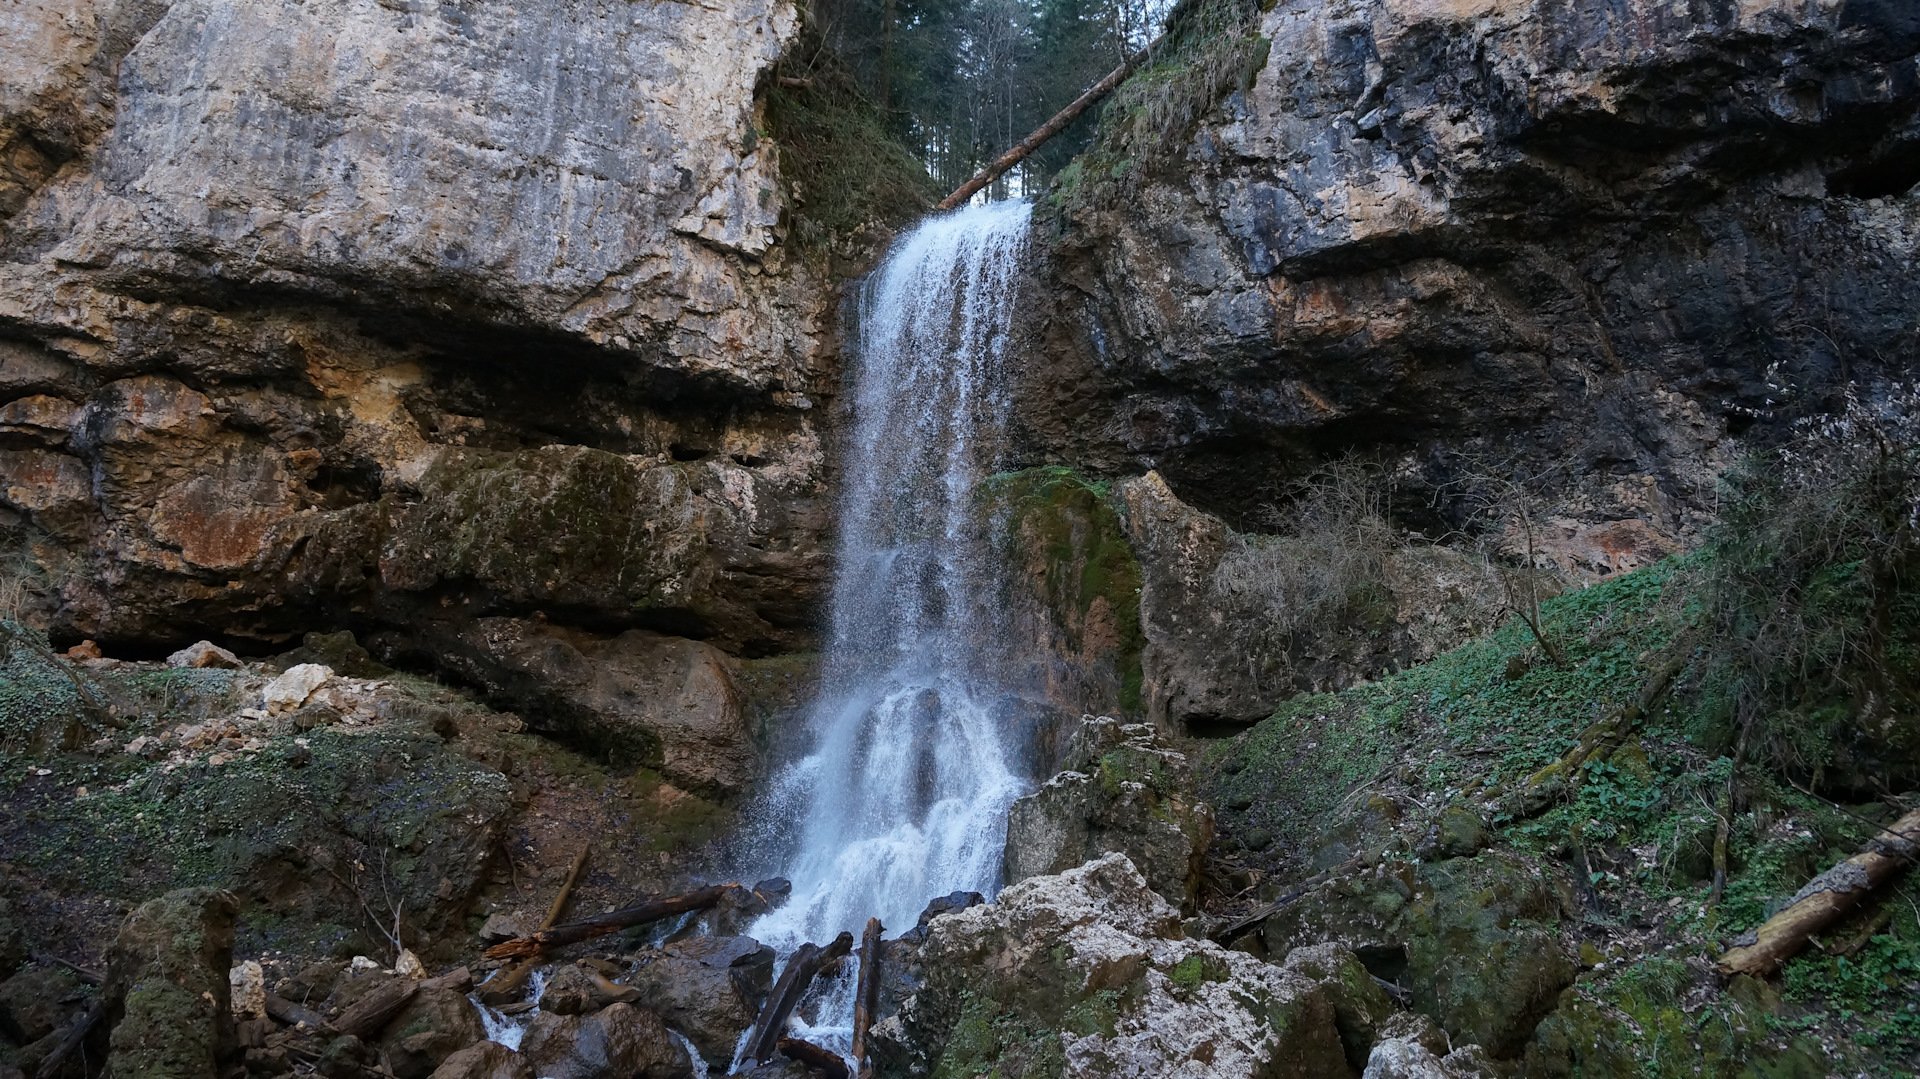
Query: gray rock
708, 988
434, 1024
484, 1060
617, 1042
1122, 791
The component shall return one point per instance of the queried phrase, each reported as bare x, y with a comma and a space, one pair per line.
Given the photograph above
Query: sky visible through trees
959, 81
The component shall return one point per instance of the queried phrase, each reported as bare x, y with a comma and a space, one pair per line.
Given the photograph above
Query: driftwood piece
651, 910
507, 983
1044, 132
77, 1032
370, 1013
825, 1061
799, 973
866, 991
286, 1011
1824, 900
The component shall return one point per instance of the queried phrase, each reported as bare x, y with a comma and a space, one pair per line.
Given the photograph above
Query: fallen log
1226, 934
1824, 900
76, 1033
1599, 742
651, 910
799, 973
866, 991
369, 1015
1045, 131
286, 1011
825, 1061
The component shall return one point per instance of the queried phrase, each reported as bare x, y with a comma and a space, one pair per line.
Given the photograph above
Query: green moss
1062, 524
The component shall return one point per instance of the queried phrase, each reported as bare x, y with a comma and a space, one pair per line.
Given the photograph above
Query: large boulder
1089, 973
168, 990
1124, 791
616, 1042
484, 1060
435, 1023
636, 698
708, 988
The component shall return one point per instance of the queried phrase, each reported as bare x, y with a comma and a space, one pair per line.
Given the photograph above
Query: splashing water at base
903, 791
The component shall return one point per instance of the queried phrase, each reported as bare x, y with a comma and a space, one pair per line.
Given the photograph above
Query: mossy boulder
1122, 791
168, 990
1087, 973
1474, 939
1075, 596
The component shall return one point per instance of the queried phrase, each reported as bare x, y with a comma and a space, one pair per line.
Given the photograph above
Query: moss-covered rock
167, 987
1088, 974
1124, 791
1075, 598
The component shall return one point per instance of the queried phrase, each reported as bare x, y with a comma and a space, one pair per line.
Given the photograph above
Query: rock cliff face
393, 314
1602, 238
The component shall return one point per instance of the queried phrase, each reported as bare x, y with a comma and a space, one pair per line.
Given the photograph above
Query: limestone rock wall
390, 314
1617, 239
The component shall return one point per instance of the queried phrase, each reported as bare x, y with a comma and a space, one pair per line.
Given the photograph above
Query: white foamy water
901, 789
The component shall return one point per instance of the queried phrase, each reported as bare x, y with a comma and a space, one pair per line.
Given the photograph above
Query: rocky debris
204, 654
1088, 973
1472, 939
616, 1042
1401, 1058
484, 1060
1122, 791
295, 687
167, 987
708, 988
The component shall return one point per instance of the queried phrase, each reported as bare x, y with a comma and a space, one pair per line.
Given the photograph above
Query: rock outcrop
1605, 243
1088, 973
393, 316
1121, 791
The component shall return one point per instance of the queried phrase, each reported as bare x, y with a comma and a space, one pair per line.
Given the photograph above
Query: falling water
903, 790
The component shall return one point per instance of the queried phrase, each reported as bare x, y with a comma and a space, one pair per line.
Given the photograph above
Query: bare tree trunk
651, 910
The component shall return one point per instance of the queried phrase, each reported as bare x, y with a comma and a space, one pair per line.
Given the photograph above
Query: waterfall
908, 768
